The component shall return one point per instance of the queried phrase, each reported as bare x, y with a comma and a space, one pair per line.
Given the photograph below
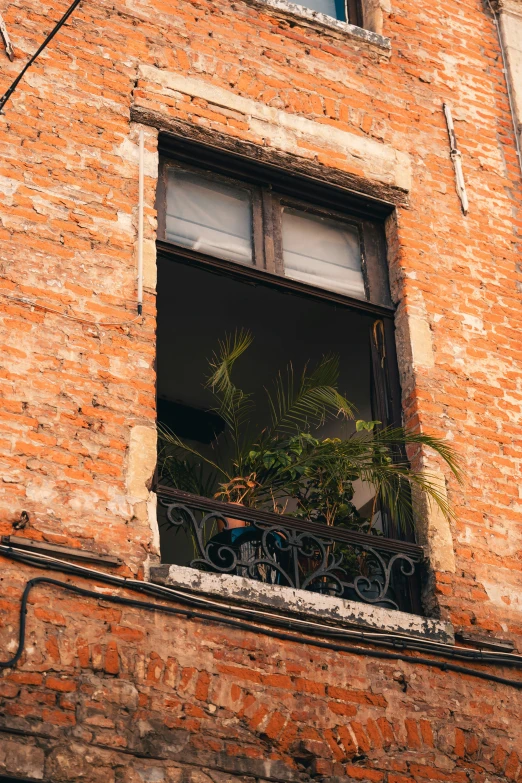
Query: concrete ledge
323, 20
287, 601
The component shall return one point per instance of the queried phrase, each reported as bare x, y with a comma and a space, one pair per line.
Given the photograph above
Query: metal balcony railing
282, 550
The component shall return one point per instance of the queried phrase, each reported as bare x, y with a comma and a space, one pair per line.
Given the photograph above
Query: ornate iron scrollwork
290, 552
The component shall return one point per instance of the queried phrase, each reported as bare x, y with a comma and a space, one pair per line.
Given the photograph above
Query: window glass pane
209, 216
322, 252
333, 8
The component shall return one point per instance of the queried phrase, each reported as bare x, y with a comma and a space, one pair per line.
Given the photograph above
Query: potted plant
285, 467
258, 466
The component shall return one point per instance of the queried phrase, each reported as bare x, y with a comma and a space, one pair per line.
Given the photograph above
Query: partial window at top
344, 10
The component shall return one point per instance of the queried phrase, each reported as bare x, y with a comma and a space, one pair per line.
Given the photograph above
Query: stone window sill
316, 19
301, 603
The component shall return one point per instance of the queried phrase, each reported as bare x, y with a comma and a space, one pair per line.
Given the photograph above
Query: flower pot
231, 522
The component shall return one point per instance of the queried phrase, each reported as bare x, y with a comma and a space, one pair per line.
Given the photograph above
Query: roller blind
322, 252
209, 216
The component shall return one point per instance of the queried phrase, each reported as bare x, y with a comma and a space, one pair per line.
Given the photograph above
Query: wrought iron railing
282, 550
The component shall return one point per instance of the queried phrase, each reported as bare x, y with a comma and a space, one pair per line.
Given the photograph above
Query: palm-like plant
286, 461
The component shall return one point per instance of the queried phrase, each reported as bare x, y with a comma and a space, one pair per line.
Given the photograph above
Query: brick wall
136, 695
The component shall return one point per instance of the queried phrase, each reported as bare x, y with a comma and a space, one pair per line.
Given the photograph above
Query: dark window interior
197, 424
11, 779
196, 307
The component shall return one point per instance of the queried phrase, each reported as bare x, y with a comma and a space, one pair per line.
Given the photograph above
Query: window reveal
287, 260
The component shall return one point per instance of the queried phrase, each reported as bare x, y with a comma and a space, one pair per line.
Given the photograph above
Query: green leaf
361, 425
234, 405
309, 402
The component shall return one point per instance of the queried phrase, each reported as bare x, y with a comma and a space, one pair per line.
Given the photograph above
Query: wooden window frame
354, 14
268, 205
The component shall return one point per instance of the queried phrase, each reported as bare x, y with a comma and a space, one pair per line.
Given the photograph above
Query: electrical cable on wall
10, 90
230, 616
141, 201
405, 641
3, 101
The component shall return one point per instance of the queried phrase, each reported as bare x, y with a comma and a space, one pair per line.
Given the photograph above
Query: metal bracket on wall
6, 39
456, 157
54, 550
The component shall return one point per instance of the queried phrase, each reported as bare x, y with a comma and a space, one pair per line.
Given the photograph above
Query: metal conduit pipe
508, 83
141, 177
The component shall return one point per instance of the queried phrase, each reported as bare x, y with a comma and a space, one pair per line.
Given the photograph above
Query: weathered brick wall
73, 393
140, 697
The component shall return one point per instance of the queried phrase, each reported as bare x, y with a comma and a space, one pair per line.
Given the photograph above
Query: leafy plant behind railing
285, 467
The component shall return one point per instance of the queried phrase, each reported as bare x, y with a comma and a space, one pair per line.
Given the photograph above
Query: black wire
250, 627
14, 85
412, 644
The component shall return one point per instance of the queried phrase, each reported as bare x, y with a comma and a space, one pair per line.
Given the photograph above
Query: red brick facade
131, 695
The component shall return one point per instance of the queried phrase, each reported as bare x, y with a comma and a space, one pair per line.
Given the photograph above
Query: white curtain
209, 216
322, 252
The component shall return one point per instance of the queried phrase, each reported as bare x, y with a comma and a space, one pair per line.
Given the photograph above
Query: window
323, 252
256, 225
302, 267
344, 10
209, 215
